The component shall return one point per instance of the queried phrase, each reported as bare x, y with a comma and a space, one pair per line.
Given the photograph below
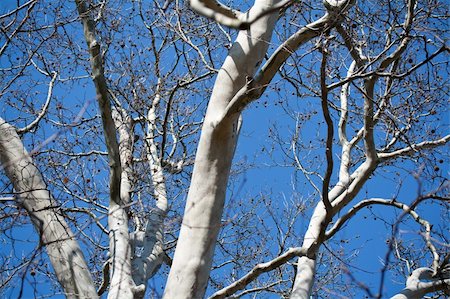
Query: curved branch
341, 221
105, 279
413, 148
227, 16
35, 122
330, 133
256, 87
405, 41
122, 284
416, 288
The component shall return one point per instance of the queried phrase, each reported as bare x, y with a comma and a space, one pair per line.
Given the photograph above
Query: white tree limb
256, 86
122, 285
413, 148
224, 15
416, 288
148, 244
54, 232
202, 218
41, 114
257, 271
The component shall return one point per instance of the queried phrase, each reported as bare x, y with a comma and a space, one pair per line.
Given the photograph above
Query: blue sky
363, 240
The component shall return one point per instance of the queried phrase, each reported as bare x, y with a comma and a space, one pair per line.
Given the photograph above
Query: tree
374, 72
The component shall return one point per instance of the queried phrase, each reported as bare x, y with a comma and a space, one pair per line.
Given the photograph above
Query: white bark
202, 218
348, 186
54, 232
230, 17
148, 244
416, 288
123, 124
121, 282
256, 271
43, 112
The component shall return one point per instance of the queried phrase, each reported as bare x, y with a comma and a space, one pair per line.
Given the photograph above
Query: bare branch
422, 282
362, 75
30, 5
122, 285
258, 270
41, 114
406, 38
378, 201
330, 133
105, 278
352, 46
413, 148
230, 17
256, 87
10, 13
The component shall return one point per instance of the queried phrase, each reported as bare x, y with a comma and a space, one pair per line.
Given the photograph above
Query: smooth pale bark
32, 194
343, 192
416, 288
202, 217
121, 282
306, 266
231, 17
149, 244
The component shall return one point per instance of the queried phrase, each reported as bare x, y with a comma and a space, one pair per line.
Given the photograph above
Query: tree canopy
293, 149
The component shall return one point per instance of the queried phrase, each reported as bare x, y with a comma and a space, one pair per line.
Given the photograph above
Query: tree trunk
202, 217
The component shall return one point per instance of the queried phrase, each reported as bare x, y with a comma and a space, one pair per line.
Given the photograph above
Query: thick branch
148, 242
63, 250
256, 87
344, 167
204, 207
420, 283
406, 38
103, 100
230, 17
122, 285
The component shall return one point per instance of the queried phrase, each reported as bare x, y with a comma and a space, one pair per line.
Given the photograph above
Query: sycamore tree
120, 122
